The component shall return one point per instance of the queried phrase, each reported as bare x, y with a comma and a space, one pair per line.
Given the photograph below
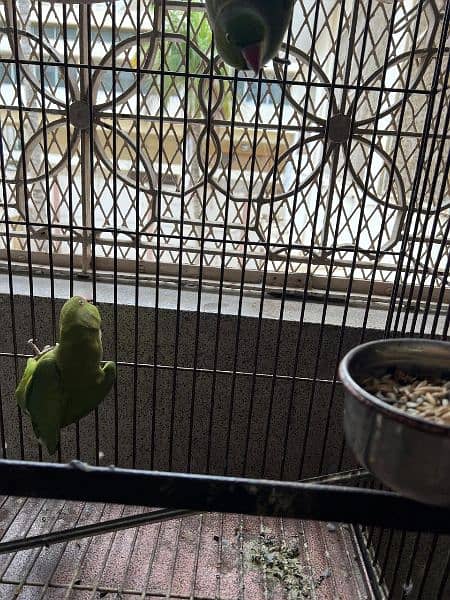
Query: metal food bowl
407, 453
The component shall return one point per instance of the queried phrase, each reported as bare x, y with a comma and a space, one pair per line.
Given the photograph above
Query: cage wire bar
307, 205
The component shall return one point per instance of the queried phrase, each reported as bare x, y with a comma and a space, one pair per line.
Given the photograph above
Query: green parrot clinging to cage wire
63, 383
248, 33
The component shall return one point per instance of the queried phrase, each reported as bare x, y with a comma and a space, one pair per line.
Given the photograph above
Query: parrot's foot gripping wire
36, 350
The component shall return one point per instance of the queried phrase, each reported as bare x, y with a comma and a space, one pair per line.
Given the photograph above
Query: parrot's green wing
21, 391
45, 402
86, 399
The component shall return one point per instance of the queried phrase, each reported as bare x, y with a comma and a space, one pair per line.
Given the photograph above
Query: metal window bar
131, 154
207, 493
151, 517
114, 111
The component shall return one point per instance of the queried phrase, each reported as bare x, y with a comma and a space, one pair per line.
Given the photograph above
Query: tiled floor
198, 557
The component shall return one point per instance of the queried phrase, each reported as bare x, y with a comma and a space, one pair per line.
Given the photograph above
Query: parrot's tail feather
253, 56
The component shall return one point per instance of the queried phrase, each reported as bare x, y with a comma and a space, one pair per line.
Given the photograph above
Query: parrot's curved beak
253, 56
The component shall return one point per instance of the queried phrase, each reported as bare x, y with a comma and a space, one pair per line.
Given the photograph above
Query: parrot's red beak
253, 56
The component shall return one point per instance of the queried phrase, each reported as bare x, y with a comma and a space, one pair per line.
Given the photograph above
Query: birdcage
240, 233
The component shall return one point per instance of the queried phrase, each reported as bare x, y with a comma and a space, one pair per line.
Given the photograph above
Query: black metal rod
298, 83
155, 516
65, 535
201, 493
128, 522
341, 477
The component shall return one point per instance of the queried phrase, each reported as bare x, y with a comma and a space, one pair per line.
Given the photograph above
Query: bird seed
427, 398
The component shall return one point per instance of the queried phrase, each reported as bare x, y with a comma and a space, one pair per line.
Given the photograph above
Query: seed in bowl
427, 398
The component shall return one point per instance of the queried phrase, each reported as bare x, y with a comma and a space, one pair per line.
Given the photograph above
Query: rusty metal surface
199, 557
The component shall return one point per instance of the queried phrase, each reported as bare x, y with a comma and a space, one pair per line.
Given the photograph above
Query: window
288, 184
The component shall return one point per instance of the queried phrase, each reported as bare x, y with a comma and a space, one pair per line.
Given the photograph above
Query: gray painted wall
148, 412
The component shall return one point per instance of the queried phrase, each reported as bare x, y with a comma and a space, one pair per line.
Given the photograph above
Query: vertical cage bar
115, 227
86, 200
208, 122
138, 224
264, 276
347, 153
297, 353
26, 197
11, 293
86, 11
220, 291
160, 21
320, 184
242, 280
71, 216
182, 218
417, 180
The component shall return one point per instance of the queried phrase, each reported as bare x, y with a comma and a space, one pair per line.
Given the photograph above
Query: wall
191, 402
194, 400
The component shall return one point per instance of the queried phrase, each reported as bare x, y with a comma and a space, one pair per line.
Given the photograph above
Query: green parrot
63, 383
249, 33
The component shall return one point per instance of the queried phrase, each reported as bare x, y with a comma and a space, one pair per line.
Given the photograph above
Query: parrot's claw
36, 350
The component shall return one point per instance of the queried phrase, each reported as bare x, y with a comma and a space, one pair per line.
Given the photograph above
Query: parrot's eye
80, 301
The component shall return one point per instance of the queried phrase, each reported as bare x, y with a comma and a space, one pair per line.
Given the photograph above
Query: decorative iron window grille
126, 140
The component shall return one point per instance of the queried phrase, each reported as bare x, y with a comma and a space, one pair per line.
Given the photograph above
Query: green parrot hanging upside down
248, 33
65, 382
